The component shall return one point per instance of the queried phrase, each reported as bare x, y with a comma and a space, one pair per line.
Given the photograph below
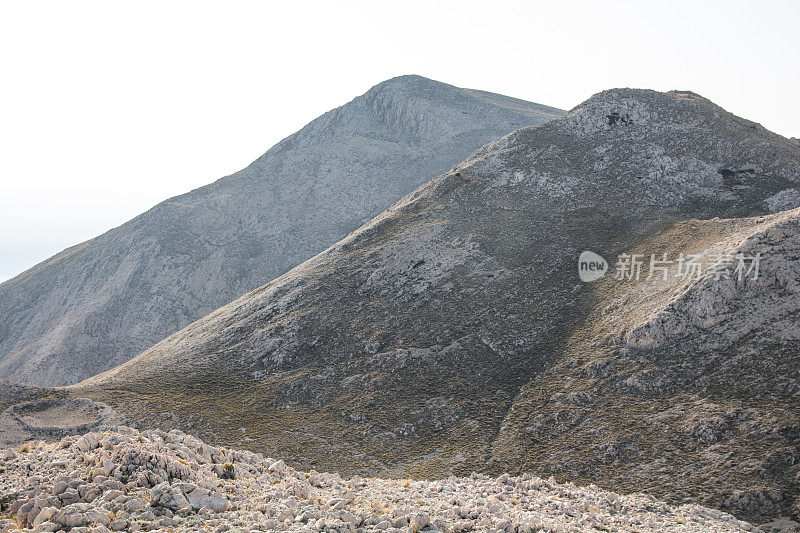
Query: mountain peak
409, 95
454, 327
632, 107
410, 81
419, 110
645, 96
620, 108
194, 253
640, 149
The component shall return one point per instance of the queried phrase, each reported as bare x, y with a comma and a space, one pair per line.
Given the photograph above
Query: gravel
126, 480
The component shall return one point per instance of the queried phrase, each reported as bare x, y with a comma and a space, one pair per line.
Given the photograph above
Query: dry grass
25, 448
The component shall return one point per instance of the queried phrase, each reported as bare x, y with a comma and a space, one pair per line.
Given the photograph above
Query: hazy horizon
109, 110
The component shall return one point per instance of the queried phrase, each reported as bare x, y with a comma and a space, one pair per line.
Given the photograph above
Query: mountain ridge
100, 302
439, 338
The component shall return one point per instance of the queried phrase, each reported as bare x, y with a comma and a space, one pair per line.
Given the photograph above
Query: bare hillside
101, 302
452, 334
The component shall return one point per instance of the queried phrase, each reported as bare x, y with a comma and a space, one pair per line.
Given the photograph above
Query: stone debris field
126, 480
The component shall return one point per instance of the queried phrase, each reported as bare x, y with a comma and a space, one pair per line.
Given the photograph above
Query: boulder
199, 497
168, 496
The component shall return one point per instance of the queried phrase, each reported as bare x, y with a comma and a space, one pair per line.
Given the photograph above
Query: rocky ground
126, 480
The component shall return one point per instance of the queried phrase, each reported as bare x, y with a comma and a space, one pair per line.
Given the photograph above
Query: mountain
452, 333
99, 303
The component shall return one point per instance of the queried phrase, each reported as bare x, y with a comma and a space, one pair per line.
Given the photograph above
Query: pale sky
107, 108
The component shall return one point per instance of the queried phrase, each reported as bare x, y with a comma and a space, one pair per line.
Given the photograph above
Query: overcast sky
107, 108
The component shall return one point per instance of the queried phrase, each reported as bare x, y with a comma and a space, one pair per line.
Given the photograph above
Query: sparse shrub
25, 448
228, 471
194, 522
124, 478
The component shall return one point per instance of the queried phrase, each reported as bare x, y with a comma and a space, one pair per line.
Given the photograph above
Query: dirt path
53, 419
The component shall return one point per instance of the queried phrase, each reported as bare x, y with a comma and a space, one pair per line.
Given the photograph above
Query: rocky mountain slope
451, 333
101, 302
125, 480
683, 388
